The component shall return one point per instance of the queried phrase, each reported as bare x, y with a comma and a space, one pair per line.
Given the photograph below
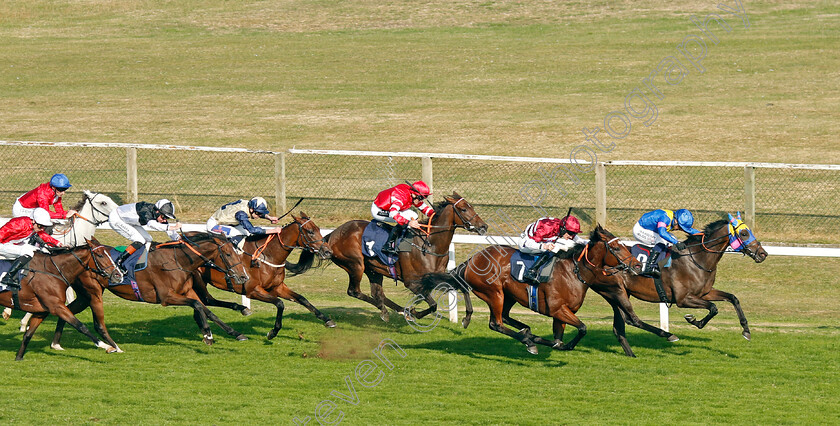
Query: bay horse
689, 281
43, 289
429, 253
487, 274
266, 255
166, 280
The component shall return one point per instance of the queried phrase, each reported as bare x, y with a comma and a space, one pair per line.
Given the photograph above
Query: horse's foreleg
200, 288
198, 315
212, 317
416, 288
695, 302
495, 301
285, 292
78, 305
619, 331
722, 295
98, 310
564, 314
378, 299
258, 293
619, 299
27, 336
62, 312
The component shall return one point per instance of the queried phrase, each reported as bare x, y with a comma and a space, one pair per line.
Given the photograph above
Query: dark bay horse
266, 255
487, 273
167, 280
689, 281
43, 290
429, 253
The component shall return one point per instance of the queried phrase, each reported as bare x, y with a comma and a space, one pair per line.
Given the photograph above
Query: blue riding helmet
259, 206
685, 219
60, 181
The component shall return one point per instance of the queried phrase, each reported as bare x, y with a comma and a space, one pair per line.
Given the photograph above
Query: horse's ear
731, 219
455, 195
88, 193
303, 215
739, 215
294, 217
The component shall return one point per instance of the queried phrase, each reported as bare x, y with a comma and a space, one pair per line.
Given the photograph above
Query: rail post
427, 173
601, 194
749, 196
280, 182
131, 174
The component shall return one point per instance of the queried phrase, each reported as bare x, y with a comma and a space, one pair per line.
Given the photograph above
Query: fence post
453, 295
131, 174
601, 194
427, 173
280, 182
749, 196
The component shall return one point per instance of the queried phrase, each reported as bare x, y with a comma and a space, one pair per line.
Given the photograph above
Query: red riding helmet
421, 188
571, 224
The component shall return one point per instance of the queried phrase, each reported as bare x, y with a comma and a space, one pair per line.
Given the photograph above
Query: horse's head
465, 215
96, 207
102, 263
606, 249
741, 238
215, 248
309, 236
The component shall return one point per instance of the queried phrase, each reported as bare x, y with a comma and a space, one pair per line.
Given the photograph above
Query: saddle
374, 238
5, 265
644, 252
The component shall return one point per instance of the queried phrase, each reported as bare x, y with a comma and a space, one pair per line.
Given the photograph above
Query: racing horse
488, 275
266, 255
166, 280
429, 253
93, 210
43, 288
689, 281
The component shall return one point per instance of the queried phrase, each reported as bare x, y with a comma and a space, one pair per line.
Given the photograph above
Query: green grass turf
448, 375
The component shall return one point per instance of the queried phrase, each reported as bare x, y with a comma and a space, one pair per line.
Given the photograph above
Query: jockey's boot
10, 280
390, 246
650, 266
532, 272
128, 252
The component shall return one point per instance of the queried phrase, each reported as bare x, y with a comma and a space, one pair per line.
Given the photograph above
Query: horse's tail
454, 279
304, 263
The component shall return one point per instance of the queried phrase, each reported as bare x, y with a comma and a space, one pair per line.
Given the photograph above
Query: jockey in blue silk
654, 229
234, 219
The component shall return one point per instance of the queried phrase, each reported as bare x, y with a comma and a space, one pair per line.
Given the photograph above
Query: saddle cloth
135, 262
643, 252
5, 265
521, 262
374, 238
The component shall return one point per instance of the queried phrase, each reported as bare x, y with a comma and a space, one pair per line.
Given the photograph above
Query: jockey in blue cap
654, 229
234, 219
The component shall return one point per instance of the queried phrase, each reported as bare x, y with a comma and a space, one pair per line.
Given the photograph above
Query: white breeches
10, 251
648, 237
21, 211
135, 233
388, 216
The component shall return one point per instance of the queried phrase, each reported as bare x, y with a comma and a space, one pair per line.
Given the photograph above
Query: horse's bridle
612, 269
744, 248
227, 270
95, 221
302, 234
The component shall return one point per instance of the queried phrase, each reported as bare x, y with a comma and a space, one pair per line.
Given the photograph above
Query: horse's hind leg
376, 290
62, 312
722, 295
34, 322
618, 330
495, 301
417, 288
694, 302
258, 293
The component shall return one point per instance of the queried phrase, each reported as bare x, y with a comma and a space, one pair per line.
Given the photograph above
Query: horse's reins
185, 242
614, 269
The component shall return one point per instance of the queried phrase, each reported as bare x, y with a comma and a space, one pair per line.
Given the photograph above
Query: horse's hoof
56, 346
7, 313
689, 317
119, 351
465, 322
241, 337
384, 316
271, 334
673, 338
533, 350
329, 324
111, 350
24, 328
746, 335
246, 312
209, 340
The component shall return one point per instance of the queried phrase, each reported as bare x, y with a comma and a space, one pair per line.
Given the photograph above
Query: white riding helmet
166, 208
42, 217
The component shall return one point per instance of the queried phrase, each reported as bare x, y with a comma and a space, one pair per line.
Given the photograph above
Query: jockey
43, 196
15, 241
654, 227
128, 221
548, 234
393, 205
234, 219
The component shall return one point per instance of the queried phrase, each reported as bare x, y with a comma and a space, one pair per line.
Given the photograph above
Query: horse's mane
708, 230
80, 204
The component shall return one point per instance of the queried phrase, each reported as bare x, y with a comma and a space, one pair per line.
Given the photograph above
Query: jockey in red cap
546, 236
393, 205
16, 241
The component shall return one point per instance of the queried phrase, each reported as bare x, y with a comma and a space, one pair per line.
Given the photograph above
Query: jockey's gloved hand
680, 246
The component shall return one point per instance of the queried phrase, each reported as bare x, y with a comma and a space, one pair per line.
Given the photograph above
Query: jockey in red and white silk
44, 196
394, 204
550, 234
14, 237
